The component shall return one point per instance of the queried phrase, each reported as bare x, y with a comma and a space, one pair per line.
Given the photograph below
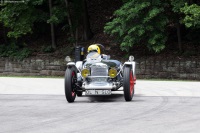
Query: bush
14, 51
47, 49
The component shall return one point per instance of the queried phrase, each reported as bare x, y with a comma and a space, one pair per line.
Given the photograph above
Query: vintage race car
98, 75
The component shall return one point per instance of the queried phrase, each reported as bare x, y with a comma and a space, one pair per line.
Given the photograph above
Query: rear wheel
70, 84
128, 83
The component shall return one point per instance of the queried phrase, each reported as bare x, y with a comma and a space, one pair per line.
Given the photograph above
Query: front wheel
70, 84
128, 83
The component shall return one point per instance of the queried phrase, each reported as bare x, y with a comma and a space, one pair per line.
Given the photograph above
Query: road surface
38, 105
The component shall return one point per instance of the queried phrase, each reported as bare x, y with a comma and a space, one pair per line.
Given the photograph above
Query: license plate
97, 92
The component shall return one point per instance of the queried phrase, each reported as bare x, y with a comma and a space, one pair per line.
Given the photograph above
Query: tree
143, 22
69, 19
87, 33
140, 22
185, 12
192, 15
176, 5
52, 27
20, 17
78, 20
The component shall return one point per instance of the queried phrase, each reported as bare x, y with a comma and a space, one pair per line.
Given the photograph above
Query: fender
77, 65
132, 64
72, 64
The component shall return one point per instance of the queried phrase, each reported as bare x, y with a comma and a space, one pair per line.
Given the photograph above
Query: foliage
24, 53
59, 13
188, 15
78, 10
177, 4
139, 22
68, 50
20, 17
47, 49
14, 51
192, 15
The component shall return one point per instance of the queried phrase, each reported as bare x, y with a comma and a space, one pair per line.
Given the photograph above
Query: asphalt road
36, 105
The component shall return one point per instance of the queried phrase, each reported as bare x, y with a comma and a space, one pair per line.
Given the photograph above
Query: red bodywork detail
131, 82
134, 79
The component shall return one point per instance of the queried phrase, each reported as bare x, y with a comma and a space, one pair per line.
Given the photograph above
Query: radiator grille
99, 71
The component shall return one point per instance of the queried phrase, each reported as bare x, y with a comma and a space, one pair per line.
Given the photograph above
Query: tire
70, 80
128, 83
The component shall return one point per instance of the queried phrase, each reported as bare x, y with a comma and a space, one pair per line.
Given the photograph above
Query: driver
95, 52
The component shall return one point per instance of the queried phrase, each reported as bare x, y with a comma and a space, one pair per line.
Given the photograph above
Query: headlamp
112, 72
85, 72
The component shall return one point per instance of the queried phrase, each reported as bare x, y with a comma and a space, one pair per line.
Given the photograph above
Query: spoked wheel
70, 84
128, 83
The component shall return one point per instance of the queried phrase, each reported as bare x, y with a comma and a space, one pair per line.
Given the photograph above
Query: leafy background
138, 27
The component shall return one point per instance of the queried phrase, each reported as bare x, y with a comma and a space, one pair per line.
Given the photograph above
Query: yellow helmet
94, 47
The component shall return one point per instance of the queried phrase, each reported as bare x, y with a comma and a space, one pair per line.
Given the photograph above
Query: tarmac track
36, 105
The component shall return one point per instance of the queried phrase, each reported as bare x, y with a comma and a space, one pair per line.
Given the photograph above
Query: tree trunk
179, 37
53, 43
69, 20
76, 36
87, 33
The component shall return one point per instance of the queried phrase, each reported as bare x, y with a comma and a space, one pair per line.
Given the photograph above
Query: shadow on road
110, 98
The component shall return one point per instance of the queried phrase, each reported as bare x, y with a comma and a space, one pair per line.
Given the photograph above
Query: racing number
97, 92
105, 92
102, 92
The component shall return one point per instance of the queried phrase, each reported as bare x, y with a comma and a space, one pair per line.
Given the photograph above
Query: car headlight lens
112, 72
85, 72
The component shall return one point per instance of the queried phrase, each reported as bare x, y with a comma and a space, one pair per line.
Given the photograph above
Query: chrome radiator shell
99, 69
